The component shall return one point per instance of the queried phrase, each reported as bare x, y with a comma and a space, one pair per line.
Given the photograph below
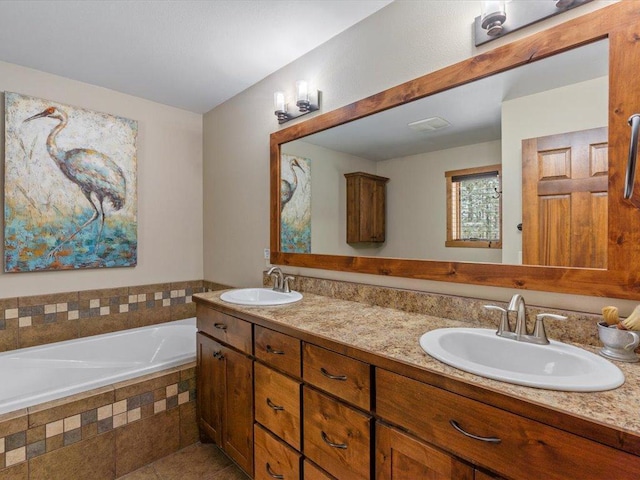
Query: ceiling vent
429, 124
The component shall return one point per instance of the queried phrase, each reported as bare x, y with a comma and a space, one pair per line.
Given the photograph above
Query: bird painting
295, 204
98, 177
288, 187
70, 187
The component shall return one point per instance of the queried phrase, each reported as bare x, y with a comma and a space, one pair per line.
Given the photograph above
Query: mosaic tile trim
27, 444
28, 316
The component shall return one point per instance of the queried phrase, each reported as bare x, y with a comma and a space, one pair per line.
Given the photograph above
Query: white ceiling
185, 53
474, 109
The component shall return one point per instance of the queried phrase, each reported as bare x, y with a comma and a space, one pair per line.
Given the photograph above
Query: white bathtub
30, 376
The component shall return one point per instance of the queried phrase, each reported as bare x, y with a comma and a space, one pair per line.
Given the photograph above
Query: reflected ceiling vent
429, 124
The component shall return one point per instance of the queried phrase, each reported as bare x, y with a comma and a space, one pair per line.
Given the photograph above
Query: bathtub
34, 375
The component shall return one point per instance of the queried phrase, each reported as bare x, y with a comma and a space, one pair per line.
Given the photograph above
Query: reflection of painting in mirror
295, 204
489, 119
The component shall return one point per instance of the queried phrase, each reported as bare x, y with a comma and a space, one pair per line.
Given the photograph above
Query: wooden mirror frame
620, 23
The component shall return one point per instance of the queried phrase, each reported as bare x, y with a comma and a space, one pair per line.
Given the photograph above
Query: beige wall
404, 40
169, 187
417, 206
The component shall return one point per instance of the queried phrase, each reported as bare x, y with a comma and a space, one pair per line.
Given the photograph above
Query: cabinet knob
272, 473
220, 326
342, 446
324, 372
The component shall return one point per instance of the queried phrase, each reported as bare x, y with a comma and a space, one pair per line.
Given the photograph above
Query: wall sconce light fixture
306, 101
499, 18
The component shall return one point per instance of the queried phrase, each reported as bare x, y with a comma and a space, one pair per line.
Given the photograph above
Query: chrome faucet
517, 305
520, 333
280, 282
278, 278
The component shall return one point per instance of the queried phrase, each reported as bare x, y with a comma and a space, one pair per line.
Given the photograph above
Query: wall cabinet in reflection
366, 205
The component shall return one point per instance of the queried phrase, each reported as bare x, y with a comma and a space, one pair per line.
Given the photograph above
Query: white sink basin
557, 366
259, 297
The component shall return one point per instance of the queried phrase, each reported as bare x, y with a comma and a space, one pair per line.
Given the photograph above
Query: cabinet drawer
277, 404
274, 459
336, 437
312, 472
227, 329
548, 452
341, 376
278, 349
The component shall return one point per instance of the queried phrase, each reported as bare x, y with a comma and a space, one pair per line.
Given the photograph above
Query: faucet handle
504, 319
539, 333
285, 284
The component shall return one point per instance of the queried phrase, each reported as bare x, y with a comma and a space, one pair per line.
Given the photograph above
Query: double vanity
325, 388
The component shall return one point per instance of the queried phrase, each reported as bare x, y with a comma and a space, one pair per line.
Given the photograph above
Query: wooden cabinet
312, 472
402, 457
493, 438
336, 437
277, 404
275, 459
225, 394
210, 377
302, 411
337, 374
278, 350
366, 207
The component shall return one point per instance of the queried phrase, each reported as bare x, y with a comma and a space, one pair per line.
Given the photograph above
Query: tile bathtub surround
579, 327
126, 415
41, 319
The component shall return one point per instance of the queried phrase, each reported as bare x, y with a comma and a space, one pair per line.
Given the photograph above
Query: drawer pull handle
273, 405
272, 473
220, 326
455, 425
275, 352
342, 378
331, 444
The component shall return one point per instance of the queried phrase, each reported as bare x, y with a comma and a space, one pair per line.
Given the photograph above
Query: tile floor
195, 462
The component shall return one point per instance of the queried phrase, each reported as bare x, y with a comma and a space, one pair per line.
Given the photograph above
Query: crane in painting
98, 177
287, 188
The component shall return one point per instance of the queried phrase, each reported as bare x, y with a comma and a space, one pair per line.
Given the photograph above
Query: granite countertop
392, 333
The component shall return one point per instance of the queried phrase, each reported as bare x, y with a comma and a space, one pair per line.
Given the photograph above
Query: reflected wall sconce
498, 18
306, 101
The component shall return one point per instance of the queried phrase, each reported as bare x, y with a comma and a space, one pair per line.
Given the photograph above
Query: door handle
634, 122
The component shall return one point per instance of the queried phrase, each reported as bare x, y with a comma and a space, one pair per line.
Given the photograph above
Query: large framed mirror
550, 111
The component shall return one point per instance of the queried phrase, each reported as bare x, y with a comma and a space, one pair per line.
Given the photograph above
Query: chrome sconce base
307, 100
516, 15
304, 107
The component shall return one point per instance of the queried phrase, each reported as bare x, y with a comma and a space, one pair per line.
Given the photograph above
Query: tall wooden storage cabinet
366, 205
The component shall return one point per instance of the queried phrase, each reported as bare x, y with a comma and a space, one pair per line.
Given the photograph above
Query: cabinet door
210, 386
275, 459
336, 437
238, 412
401, 457
378, 212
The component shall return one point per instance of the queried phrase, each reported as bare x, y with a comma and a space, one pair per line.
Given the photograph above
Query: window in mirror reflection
474, 207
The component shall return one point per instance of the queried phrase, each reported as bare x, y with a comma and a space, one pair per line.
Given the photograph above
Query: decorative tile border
24, 445
42, 319
97, 307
